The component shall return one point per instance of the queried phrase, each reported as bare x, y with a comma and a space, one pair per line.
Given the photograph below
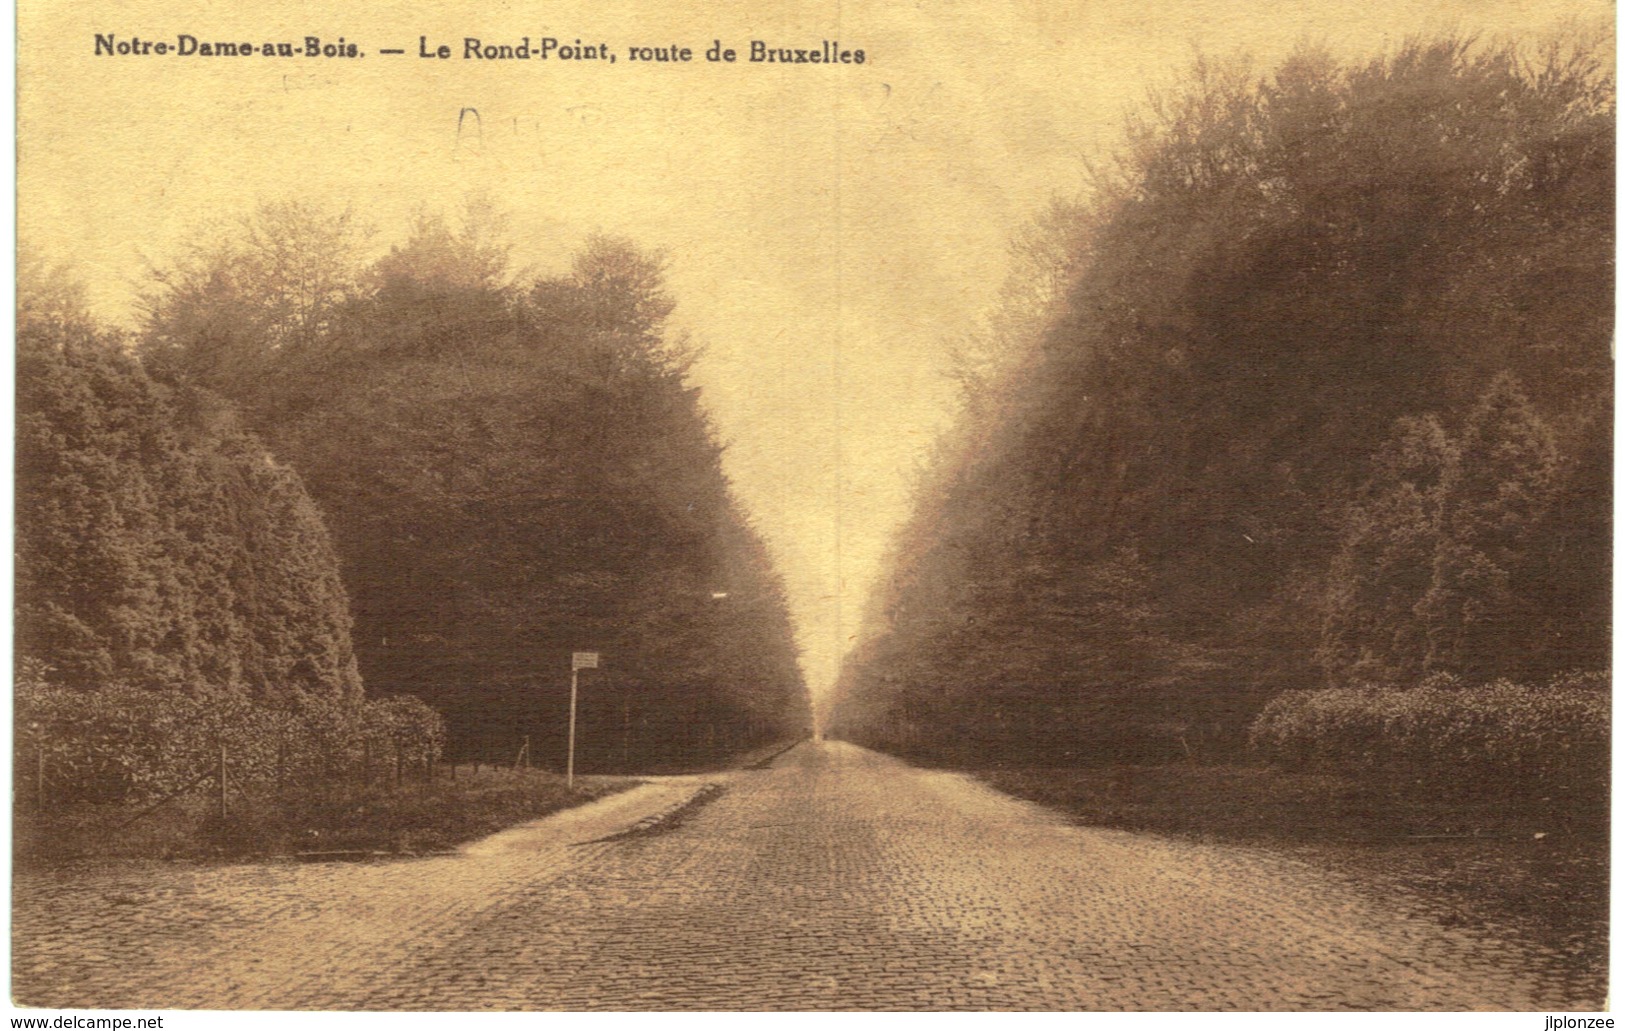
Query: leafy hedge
126, 744
1561, 728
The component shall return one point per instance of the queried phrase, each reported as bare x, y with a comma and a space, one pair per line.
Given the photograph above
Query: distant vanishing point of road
835, 879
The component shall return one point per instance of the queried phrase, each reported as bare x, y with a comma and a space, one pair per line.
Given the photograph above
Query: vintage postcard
813, 506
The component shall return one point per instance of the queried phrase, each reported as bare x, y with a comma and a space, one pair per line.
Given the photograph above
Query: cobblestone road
836, 879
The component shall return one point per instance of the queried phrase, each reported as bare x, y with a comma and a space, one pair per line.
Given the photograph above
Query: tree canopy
514, 468
1314, 386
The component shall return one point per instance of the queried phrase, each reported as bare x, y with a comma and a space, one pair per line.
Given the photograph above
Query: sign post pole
570, 765
578, 661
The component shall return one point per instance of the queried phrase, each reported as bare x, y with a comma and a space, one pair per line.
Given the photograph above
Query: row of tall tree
1314, 387
512, 469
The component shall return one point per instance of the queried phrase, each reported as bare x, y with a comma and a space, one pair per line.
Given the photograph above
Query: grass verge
1519, 864
748, 759
412, 819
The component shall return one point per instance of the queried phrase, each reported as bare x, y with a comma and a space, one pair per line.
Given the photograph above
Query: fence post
366, 762
223, 808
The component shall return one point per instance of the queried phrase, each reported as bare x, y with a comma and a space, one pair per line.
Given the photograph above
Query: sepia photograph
973, 505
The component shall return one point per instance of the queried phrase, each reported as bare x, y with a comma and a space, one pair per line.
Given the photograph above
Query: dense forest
512, 471
1313, 389
509, 468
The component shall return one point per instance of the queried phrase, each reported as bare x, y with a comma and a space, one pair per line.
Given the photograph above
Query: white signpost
578, 661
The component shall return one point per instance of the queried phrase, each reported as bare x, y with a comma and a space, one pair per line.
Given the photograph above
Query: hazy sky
830, 228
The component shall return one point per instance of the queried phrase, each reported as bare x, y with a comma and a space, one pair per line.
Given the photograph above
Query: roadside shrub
1560, 729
